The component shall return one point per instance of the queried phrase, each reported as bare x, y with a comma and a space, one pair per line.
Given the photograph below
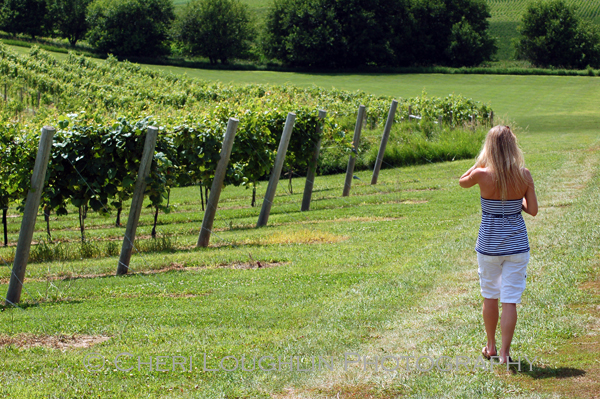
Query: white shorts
503, 276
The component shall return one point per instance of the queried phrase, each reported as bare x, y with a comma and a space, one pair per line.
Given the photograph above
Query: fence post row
32, 204
274, 180
352, 158
217, 184
384, 140
312, 166
137, 200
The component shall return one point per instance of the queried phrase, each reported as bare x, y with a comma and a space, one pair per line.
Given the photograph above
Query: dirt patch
350, 391
408, 202
303, 236
25, 341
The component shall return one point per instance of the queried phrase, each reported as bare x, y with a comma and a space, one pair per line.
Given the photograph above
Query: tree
24, 16
350, 33
469, 47
130, 27
69, 18
336, 33
451, 32
217, 29
553, 35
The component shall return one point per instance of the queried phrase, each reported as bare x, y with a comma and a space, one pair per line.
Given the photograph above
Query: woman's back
488, 186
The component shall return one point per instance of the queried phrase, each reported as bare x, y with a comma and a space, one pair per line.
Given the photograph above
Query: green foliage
29, 17
69, 18
216, 29
425, 142
469, 47
16, 163
95, 158
553, 35
336, 33
130, 27
451, 32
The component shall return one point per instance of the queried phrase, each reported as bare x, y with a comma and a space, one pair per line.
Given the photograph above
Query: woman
502, 247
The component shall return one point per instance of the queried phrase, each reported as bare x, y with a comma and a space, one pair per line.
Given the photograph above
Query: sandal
486, 353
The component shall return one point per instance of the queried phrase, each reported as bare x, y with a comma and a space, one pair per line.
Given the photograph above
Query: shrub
216, 29
553, 35
130, 27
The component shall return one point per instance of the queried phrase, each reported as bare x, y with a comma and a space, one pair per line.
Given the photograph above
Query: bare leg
490, 319
507, 325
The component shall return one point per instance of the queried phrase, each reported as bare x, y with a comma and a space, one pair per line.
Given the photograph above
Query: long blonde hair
503, 158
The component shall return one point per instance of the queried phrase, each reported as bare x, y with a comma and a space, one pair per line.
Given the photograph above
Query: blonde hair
503, 158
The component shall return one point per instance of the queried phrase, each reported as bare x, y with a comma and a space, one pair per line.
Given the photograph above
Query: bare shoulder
482, 173
527, 175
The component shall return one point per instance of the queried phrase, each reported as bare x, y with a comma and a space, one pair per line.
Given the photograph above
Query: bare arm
469, 178
530, 204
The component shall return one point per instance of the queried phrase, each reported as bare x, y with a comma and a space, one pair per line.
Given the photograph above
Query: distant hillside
506, 15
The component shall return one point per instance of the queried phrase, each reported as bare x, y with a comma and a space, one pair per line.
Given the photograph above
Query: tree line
310, 33
306, 33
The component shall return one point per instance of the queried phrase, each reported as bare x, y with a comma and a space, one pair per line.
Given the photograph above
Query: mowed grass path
389, 270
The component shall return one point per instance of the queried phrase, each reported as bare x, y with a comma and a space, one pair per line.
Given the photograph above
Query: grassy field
542, 103
389, 270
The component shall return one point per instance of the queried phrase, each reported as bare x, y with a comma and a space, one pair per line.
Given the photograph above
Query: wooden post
32, 204
137, 200
352, 158
492, 119
274, 180
384, 140
409, 112
217, 184
440, 120
312, 167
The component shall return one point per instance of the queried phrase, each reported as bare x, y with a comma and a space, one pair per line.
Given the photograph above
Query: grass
388, 270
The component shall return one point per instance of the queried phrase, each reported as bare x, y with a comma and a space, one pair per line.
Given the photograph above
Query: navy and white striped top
502, 230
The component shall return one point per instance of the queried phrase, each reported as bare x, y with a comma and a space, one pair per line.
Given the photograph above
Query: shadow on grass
539, 373
27, 305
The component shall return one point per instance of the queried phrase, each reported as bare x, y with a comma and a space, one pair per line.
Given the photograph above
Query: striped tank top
502, 230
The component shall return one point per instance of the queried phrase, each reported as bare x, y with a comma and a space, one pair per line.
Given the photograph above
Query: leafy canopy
216, 29
553, 35
130, 27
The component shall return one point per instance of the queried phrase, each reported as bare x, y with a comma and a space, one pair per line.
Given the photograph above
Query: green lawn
389, 270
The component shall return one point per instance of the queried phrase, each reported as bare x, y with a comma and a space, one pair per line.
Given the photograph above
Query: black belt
500, 216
